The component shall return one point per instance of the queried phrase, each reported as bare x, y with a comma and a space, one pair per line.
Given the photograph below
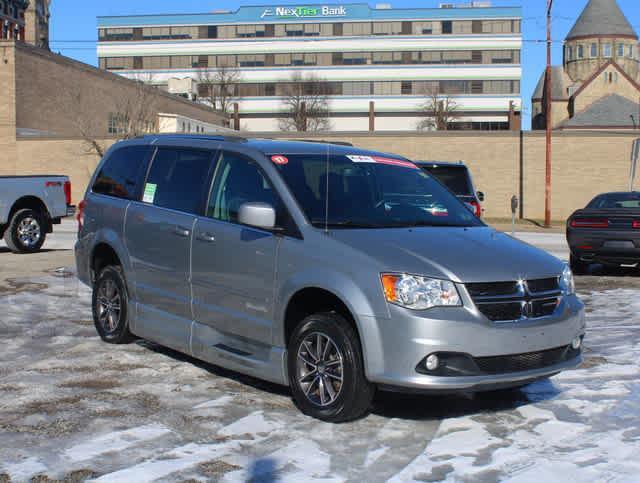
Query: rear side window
454, 178
122, 173
620, 201
178, 179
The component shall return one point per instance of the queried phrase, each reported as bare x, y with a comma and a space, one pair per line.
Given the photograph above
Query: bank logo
304, 12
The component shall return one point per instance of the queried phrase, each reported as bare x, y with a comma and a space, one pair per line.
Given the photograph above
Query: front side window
177, 179
121, 174
238, 180
356, 191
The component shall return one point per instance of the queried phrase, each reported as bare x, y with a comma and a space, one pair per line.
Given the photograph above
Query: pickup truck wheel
326, 371
110, 306
26, 232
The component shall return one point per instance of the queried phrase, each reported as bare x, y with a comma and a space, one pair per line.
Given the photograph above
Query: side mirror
480, 196
259, 215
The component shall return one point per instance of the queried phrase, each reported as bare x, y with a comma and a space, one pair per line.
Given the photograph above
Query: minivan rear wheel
326, 370
111, 306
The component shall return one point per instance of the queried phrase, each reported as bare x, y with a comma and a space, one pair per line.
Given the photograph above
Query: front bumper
394, 353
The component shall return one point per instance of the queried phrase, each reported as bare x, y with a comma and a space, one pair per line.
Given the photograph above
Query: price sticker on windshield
382, 160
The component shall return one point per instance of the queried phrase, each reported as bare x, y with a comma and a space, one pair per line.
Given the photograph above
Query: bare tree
134, 113
440, 111
306, 104
219, 86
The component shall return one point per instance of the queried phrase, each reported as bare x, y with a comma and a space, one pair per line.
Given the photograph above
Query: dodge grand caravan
326, 268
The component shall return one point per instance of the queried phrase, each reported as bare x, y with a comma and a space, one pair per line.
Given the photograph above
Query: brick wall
7, 109
59, 95
584, 163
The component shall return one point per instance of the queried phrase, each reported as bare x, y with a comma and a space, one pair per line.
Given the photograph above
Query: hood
478, 254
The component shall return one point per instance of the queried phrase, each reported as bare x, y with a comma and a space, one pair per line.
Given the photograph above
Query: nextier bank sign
305, 12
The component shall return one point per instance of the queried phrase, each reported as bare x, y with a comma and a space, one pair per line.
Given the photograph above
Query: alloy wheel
320, 369
109, 307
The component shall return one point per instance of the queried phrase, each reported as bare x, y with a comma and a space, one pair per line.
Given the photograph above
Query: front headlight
419, 293
567, 283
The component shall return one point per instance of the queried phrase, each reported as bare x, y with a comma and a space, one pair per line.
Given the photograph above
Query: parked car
29, 207
456, 177
326, 268
607, 231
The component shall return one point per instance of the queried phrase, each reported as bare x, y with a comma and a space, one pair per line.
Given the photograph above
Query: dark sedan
607, 231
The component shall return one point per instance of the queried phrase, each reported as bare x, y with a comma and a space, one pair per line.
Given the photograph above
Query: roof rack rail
204, 137
324, 141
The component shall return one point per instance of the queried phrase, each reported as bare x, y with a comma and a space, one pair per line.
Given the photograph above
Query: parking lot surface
73, 407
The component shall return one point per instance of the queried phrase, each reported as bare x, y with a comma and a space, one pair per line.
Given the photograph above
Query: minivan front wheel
326, 372
110, 306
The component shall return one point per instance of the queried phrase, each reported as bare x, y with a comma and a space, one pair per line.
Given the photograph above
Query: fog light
432, 362
576, 343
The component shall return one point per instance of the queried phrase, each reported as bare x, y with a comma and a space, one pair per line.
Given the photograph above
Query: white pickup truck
29, 207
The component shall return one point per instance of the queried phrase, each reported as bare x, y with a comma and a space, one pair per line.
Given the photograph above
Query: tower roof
602, 17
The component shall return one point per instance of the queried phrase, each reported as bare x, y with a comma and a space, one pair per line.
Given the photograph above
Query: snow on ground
71, 406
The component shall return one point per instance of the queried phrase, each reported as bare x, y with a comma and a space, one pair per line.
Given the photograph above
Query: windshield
454, 178
629, 201
370, 192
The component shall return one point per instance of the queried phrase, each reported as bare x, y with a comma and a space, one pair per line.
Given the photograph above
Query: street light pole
548, 92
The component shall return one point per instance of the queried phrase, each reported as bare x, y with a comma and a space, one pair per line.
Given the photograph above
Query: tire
340, 351
110, 304
578, 267
26, 231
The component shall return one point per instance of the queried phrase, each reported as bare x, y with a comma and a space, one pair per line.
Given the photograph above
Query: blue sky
73, 29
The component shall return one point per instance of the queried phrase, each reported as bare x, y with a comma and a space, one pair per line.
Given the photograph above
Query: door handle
181, 231
206, 237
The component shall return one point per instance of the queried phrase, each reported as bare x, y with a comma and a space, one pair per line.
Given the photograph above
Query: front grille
544, 285
513, 301
503, 311
543, 308
521, 362
490, 289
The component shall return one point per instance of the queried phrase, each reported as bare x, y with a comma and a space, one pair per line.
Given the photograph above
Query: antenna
326, 204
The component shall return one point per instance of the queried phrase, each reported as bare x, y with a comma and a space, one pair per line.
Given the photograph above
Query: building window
631, 53
250, 31
447, 27
580, 51
497, 27
116, 124
387, 28
356, 58
620, 50
356, 28
387, 88
356, 89
569, 52
594, 50
423, 28
387, 58
606, 50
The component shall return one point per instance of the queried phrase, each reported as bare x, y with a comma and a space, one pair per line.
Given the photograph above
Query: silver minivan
326, 268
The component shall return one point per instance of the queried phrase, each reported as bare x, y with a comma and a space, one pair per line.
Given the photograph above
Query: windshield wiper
344, 224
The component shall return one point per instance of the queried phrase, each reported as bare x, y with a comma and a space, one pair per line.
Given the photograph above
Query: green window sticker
149, 192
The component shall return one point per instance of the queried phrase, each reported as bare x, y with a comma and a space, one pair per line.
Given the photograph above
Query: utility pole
547, 184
